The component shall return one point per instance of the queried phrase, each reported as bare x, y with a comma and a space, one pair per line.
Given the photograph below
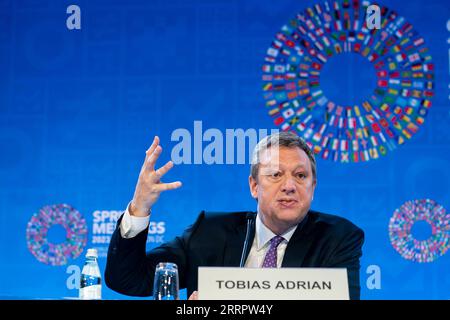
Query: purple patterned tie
270, 260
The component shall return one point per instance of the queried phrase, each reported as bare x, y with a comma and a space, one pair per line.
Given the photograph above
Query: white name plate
223, 283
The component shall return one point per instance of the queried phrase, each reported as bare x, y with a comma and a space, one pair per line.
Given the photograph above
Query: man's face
284, 188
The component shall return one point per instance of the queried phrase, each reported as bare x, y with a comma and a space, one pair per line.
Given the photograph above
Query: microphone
250, 233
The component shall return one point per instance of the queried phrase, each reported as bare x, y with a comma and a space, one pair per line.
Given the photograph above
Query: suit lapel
296, 249
299, 244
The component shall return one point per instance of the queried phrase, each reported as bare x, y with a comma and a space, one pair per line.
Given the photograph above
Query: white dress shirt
261, 244
131, 226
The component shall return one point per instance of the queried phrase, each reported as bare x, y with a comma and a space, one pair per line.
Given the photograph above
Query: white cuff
131, 226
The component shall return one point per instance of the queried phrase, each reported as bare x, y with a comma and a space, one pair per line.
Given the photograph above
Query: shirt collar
264, 234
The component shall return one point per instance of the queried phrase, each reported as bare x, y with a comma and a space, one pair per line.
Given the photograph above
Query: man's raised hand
149, 185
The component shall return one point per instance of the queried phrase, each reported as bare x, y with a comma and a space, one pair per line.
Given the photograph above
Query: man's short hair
281, 139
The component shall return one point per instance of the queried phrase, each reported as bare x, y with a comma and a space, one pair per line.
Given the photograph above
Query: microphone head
250, 215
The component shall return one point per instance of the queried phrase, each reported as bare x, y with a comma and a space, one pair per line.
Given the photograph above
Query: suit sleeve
130, 270
347, 255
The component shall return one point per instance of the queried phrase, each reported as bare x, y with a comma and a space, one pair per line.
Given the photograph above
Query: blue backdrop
80, 107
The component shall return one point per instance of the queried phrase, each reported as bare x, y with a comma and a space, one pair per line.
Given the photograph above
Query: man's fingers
163, 170
194, 296
152, 155
150, 151
150, 165
152, 148
168, 186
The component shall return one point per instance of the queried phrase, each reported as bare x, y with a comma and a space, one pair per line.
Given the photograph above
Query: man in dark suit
284, 232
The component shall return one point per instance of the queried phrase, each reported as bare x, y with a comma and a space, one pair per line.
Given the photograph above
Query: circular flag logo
56, 254
348, 131
401, 225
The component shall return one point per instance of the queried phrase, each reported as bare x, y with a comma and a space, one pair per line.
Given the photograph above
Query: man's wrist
131, 226
134, 211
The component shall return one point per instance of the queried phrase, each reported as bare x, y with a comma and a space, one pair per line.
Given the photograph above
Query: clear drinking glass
166, 282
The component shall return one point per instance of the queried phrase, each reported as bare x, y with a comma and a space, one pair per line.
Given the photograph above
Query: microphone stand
249, 235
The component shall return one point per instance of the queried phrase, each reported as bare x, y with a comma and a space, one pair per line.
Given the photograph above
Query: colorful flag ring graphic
348, 133
402, 222
56, 254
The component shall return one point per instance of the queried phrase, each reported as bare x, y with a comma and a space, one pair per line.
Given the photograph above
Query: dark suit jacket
217, 239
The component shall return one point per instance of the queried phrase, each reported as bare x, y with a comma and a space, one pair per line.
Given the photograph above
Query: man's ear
253, 187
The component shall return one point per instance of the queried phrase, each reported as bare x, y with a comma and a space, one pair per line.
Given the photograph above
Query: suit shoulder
225, 217
219, 224
334, 222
